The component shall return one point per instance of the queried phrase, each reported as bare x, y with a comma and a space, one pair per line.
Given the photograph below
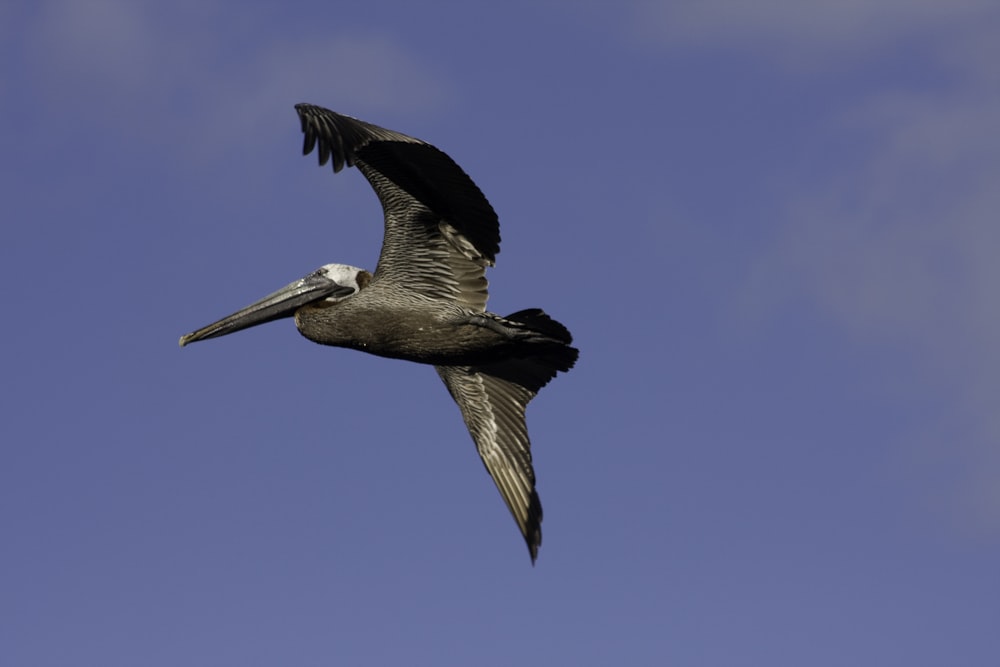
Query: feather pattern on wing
493, 410
440, 231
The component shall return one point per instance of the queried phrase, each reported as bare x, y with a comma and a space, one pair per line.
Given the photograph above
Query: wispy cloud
803, 33
897, 247
144, 65
107, 43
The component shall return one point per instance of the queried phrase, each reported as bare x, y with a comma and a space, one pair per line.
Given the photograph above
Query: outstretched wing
493, 410
440, 231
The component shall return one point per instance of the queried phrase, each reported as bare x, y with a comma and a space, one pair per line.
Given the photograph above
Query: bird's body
438, 334
426, 301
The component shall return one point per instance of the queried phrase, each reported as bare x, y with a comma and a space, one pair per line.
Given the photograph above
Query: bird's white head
345, 276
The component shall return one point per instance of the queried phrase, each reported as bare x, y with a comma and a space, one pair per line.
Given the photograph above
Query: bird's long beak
282, 303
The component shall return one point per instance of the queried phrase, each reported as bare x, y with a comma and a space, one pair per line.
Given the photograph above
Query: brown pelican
426, 301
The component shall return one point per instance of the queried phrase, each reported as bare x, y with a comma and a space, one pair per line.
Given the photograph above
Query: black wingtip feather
426, 173
533, 534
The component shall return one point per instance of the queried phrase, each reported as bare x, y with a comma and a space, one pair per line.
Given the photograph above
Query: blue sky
771, 227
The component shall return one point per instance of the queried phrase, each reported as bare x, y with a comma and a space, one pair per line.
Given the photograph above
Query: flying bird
426, 301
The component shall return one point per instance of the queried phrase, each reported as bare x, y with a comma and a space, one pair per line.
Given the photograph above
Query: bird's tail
538, 362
